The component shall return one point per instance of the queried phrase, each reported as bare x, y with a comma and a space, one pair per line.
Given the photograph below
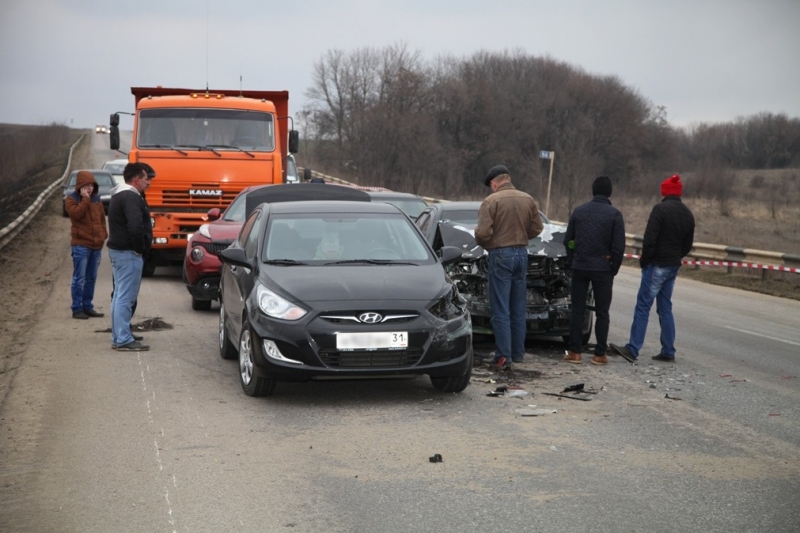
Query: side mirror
235, 256
294, 141
449, 254
213, 214
113, 138
114, 120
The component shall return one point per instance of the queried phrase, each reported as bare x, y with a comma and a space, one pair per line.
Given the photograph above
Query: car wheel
253, 383
200, 305
226, 348
454, 383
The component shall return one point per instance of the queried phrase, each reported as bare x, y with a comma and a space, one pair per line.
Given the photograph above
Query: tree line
387, 117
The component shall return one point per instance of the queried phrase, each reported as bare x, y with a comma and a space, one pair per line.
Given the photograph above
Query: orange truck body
193, 178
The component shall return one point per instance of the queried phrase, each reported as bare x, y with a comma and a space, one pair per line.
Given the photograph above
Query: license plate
372, 340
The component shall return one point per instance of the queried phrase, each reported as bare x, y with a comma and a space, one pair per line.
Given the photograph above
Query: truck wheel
148, 269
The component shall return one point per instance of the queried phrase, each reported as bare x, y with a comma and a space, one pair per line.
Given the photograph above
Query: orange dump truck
205, 147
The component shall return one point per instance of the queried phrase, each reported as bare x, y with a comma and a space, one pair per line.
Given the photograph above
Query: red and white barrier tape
736, 264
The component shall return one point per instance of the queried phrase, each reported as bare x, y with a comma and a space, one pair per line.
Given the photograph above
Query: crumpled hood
375, 285
549, 243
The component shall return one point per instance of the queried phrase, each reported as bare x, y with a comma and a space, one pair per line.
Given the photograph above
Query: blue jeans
127, 269
507, 296
85, 263
657, 284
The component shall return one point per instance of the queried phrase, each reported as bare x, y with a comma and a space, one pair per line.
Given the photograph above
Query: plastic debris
553, 449
435, 458
573, 388
516, 393
536, 412
667, 396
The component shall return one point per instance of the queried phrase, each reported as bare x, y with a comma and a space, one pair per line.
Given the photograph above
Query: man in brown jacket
507, 220
89, 232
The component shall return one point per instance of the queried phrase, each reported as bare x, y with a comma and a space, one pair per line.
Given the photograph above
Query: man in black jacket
130, 237
595, 242
669, 237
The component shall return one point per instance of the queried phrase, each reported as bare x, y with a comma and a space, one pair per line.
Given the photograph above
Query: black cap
495, 171
601, 186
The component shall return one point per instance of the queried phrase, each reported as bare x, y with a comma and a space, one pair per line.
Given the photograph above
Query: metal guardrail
8, 233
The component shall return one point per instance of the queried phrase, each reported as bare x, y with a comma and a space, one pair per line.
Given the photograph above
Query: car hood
224, 230
372, 284
549, 243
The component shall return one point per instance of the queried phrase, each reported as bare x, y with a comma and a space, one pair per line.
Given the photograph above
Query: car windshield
198, 128
103, 180
114, 168
236, 211
344, 238
467, 217
412, 207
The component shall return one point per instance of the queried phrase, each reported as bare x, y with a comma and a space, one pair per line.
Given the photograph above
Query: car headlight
449, 306
197, 254
204, 231
274, 306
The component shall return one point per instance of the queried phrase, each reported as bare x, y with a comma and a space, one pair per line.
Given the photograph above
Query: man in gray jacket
595, 242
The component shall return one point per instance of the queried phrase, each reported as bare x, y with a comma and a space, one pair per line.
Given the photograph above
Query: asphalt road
165, 440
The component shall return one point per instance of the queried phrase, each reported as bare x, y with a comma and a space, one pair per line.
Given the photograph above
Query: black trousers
602, 285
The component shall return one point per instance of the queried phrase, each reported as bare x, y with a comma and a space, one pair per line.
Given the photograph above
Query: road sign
544, 154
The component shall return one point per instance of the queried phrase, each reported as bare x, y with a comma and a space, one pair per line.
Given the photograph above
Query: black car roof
333, 207
302, 192
394, 194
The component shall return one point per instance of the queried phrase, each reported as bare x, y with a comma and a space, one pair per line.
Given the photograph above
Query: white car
115, 167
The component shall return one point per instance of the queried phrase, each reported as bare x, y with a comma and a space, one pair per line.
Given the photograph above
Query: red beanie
672, 186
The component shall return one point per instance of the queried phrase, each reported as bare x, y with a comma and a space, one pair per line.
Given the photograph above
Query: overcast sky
74, 61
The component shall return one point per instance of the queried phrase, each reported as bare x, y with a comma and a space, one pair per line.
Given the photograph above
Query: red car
201, 266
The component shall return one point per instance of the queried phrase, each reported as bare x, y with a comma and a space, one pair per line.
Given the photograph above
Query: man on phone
88, 232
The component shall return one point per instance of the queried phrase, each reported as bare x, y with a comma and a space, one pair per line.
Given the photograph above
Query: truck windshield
198, 128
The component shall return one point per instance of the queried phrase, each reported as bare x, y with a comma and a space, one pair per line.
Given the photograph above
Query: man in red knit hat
667, 239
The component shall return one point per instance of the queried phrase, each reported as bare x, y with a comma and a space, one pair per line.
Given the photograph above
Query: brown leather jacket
507, 217
86, 214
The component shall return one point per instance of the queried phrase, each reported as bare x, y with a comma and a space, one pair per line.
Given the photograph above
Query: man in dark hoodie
88, 232
595, 242
130, 237
668, 237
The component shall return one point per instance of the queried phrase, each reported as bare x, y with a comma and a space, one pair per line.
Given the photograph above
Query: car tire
253, 382
226, 348
201, 305
454, 383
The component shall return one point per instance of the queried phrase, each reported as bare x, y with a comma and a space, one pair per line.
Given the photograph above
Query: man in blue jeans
130, 236
507, 220
669, 237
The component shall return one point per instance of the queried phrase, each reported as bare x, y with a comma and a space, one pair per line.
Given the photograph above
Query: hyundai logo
370, 318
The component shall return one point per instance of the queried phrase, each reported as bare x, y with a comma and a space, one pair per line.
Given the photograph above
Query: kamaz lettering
205, 192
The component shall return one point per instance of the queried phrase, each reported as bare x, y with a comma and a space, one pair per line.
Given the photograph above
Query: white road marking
763, 336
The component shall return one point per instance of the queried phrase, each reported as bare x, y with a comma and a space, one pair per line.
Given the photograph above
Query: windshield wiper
283, 262
171, 147
200, 148
372, 262
229, 147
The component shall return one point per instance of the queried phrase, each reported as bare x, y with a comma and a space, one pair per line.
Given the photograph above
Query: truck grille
180, 197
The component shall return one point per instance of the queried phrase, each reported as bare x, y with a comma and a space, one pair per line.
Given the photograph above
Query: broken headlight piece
449, 306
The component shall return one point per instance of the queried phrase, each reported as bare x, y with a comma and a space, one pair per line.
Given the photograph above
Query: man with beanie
669, 237
595, 242
507, 220
88, 218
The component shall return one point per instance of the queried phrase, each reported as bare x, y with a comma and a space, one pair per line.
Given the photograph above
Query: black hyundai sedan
315, 289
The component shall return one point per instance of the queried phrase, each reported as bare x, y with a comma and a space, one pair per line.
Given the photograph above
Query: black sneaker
92, 313
80, 315
663, 358
134, 346
624, 351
